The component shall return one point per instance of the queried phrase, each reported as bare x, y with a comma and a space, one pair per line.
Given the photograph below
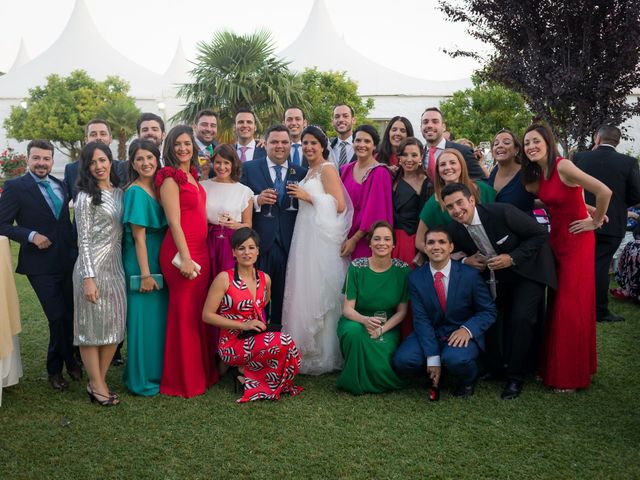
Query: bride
315, 270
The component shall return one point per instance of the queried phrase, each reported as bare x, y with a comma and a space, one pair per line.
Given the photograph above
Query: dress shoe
75, 373
463, 391
512, 390
117, 360
611, 317
491, 375
58, 382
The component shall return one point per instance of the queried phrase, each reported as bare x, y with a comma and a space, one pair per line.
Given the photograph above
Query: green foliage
324, 90
240, 71
59, 110
122, 115
478, 113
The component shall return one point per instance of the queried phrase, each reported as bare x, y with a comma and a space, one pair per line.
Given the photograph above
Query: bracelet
143, 277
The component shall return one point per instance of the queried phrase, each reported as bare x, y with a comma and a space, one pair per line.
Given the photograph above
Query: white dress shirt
251, 148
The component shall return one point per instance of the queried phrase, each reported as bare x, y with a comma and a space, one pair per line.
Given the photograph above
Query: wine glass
269, 214
486, 154
291, 207
381, 316
223, 217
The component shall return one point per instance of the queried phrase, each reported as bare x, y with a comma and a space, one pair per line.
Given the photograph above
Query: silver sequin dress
99, 257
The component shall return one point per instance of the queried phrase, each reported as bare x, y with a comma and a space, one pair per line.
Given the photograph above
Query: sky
405, 35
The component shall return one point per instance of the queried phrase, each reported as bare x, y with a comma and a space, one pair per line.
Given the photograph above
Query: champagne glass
486, 154
381, 316
291, 207
223, 217
269, 214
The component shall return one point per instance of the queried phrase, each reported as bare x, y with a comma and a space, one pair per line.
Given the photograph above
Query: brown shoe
58, 382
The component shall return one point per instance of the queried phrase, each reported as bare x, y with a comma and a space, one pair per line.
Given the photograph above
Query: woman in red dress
569, 355
189, 355
269, 361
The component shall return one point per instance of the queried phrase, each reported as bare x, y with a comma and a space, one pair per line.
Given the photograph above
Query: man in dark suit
97, 130
620, 173
433, 127
343, 121
295, 123
245, 129
513, 252
268, 178
452, 309
39, 205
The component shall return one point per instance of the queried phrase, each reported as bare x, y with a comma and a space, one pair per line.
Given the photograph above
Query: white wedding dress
315, 275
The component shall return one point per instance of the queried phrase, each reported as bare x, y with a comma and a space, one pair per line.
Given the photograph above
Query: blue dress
513, 192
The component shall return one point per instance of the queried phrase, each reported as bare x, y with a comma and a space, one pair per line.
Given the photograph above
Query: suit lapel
32, 188
265, 173
489, 226
454, 284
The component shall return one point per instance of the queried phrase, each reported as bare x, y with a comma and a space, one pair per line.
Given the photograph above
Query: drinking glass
381, 316
223, 217
269, 214
291, 207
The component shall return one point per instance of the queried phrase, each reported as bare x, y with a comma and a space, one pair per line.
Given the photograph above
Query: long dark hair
386, 150
318, 134
169, 154
141, 144
531, 171
87, 182
409, 141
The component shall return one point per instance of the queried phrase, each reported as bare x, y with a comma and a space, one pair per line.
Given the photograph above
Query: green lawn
324, 433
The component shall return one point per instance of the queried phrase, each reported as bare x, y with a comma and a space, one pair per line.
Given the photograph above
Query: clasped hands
479, 261
373, 326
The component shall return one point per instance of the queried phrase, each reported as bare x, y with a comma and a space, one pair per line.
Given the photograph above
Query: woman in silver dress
99, 293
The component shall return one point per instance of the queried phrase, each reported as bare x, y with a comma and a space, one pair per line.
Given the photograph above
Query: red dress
569, 355
271, 360
189, 353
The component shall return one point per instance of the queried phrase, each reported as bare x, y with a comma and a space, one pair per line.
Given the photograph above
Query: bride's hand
298, 192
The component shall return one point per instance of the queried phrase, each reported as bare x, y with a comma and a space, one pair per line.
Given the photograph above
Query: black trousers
55, 293
509, 342
274, 263
606, 246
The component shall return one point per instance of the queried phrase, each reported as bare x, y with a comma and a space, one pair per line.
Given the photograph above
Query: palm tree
235, 71
122, 115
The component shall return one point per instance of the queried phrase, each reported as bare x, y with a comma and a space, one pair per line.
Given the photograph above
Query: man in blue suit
244, 128
38, 204
268, 178
452, 309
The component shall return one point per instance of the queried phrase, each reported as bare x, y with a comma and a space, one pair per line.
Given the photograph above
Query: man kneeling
452, 308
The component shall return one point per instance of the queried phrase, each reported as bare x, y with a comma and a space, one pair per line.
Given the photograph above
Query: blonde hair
464, 176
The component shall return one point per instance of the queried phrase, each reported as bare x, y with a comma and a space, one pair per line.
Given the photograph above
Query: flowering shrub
12, 164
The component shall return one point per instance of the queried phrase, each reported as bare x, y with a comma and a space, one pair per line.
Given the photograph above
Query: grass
325, 433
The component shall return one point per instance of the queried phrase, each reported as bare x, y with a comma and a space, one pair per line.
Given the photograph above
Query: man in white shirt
295, 123
245, 130
343, 121
452, 309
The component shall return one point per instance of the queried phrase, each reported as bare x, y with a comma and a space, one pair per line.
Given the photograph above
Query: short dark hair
455, 187
168, 153
291, 107
380, 224
353, 114
205, 113
317, 133
147, 117
439, 229
531, 171
434, 109
371, 130
229, 153
87, 182
245, 110
609, 134
40, 143
141, 144
96, 121
276, 128
243, 234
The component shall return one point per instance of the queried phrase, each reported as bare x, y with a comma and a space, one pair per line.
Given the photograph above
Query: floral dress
271, 359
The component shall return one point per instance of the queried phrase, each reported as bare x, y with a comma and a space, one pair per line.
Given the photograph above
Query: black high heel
110, 401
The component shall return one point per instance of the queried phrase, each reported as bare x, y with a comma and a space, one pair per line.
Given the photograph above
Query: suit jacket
618, 172
512, 231
255, 175
22, 202
469, 304
71, 176
259, 153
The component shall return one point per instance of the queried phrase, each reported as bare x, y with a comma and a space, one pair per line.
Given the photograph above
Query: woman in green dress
144, 230
375, 287
451, 168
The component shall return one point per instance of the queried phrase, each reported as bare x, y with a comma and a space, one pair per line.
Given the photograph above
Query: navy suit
259, 153
275, 233
468, 304
48, 270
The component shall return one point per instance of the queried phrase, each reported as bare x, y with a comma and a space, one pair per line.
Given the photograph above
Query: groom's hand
268, 196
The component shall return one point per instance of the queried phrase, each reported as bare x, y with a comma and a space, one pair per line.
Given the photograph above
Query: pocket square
502, 240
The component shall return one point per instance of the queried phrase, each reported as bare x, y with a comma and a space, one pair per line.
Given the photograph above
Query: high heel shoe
109, 401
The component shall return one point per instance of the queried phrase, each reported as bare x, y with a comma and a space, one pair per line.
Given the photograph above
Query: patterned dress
271, 360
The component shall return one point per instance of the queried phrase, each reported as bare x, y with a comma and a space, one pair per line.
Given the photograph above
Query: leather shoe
611, 317
58, 382
512, 390
75, 373
463, 391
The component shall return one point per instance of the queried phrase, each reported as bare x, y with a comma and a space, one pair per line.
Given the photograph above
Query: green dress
146, 312
432, 214
367, 362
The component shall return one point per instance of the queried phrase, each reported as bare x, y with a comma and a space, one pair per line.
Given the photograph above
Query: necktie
55, 200
432, 163
209, 149
296, 154
279, 184
243, 154
439, 286
343, 153
479, 237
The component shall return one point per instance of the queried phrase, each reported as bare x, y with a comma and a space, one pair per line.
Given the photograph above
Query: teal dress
433, 215
367, 361
146, 312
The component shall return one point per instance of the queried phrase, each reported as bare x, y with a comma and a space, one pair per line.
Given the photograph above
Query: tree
234, 71
479, 113
324, 90
60, 110
575, 61
122, 115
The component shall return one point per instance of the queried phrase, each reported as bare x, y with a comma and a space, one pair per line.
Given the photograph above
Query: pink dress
371, 202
